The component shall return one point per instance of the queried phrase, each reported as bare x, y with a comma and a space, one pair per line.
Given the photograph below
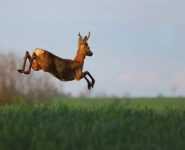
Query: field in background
158, 104
94, 123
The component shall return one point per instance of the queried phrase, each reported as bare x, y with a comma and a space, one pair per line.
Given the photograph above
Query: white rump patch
38, 51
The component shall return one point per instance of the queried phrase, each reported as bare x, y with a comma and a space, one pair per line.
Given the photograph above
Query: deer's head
83, 45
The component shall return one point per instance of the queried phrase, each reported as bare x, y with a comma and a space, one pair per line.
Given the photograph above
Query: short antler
88, 35
79, 35
80, 38
86, 38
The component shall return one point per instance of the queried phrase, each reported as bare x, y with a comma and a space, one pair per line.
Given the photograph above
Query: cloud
151, 81
178, 80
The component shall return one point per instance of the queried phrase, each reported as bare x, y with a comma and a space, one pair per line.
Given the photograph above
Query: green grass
158, 104
94, 124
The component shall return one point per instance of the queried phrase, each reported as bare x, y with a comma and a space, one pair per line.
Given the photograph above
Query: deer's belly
67, 76
63, 76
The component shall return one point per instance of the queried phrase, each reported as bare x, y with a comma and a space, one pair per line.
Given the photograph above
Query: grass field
94, 124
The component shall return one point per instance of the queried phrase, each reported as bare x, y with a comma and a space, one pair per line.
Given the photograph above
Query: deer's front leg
27, 55
87, 73
79, 75
88, 83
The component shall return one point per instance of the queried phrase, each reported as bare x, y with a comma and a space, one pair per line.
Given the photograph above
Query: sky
138, 45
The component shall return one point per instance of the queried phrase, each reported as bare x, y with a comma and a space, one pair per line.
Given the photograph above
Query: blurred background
138, 46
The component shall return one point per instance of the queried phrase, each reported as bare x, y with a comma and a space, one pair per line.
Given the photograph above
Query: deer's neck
79, 56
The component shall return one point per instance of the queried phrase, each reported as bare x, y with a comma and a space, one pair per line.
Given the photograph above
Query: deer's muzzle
90, 53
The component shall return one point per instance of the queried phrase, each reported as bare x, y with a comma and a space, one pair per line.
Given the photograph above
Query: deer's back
63, 69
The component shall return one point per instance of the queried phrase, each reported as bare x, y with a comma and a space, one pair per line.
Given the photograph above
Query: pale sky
138, 45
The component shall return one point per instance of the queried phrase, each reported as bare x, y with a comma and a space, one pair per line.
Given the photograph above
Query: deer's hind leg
27, 55
33, 64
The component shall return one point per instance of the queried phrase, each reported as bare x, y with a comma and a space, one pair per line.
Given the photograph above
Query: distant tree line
13, 84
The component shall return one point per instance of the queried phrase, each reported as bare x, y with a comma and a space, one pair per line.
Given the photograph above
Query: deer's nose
91, 53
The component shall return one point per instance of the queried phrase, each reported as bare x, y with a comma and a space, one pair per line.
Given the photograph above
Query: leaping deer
63, 69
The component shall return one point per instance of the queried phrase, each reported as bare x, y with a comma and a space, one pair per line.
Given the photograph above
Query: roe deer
63, 69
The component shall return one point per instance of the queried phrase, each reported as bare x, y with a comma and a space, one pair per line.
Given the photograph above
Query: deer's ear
86, 38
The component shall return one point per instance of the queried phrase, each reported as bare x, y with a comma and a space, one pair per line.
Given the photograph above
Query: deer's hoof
93, 82
26, 72
20, 71
89, 86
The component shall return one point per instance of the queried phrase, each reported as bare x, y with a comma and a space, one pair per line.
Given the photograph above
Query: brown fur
63, 69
